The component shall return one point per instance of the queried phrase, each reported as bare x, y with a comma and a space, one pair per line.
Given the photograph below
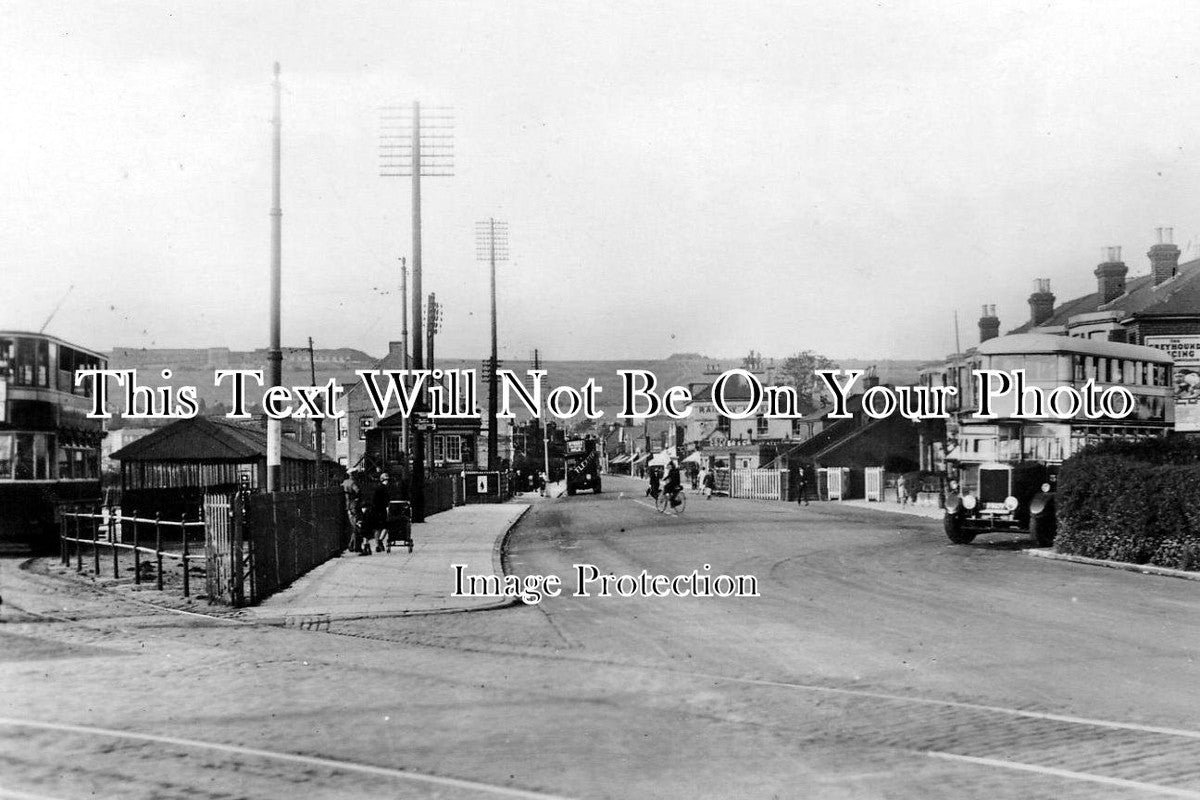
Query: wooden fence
752, 484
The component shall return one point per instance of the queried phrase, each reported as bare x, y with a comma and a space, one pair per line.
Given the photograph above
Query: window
439, 448
341, 428
761, 425
32, 460
392, 446
6, 456
454, 448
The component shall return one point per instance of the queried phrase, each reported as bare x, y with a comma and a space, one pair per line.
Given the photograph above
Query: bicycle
663, 502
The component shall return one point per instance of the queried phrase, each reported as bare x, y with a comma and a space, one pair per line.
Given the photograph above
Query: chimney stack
989, 324
1110, 275
1041, 302
395, 348
1164, 256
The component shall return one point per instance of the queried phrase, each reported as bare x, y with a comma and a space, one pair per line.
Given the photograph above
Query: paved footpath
912, 509
401, 583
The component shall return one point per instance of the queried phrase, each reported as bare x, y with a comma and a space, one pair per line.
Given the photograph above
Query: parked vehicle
1016, 496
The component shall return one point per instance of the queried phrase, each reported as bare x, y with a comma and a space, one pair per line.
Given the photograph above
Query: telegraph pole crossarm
491, 245
416, 144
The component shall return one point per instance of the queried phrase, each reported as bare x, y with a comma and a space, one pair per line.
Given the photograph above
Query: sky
676, 177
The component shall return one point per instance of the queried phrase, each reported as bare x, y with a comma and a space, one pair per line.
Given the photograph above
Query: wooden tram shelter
215, 454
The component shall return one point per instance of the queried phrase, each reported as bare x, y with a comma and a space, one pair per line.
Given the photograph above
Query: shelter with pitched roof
215, 454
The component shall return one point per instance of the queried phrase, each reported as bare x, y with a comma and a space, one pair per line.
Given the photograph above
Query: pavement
912, 509
400, 583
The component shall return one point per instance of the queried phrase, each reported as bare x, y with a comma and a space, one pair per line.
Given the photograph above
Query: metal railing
74, 525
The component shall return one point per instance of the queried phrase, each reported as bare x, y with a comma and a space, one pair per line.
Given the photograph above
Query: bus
49, 449
1003, 470
582, 465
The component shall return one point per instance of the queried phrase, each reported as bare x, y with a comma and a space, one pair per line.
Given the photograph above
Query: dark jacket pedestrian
380, 499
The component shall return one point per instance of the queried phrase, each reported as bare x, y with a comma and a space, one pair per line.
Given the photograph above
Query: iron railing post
96, 543
78, 544
158, 546
112, 540
137, 554
183, 531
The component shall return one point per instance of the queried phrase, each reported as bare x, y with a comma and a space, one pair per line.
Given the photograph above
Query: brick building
1159, 309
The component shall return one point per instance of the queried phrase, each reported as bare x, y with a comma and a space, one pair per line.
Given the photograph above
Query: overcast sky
676, 177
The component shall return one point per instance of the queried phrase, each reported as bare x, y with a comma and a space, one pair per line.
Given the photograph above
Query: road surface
877, 661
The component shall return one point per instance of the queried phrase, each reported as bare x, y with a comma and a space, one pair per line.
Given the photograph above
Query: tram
49, 449
1003, 470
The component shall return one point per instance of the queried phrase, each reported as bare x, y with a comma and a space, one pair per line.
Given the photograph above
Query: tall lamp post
491, 245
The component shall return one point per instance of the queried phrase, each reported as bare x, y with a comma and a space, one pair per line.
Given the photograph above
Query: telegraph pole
537, 364
404, 342
275, 353
491, 245
401, 156
433, 314
318, 423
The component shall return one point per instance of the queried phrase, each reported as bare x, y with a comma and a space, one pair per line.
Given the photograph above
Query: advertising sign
1186, 352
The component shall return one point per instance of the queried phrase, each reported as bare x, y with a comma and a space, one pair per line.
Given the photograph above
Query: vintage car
1013, 496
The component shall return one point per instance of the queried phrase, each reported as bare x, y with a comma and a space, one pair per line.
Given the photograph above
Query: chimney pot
1041, 302
1110, 276
1164, 257
989, 325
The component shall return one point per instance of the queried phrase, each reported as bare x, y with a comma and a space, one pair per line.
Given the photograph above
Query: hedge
1132, 501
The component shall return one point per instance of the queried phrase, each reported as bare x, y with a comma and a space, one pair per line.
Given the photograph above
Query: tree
799, 371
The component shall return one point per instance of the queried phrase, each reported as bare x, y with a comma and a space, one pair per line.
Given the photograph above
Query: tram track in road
297, 759
1104, 755
1116, 754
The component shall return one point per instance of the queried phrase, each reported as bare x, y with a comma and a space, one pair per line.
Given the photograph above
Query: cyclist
672, 484
653, 489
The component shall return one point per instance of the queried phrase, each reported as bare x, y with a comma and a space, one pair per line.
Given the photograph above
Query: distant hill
195, 367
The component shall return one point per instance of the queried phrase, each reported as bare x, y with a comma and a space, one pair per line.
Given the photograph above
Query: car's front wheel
955, 530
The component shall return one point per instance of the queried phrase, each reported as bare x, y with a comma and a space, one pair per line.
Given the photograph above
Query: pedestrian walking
708, 483
352, 494
541, 483
801, 487
379, 515
902, 490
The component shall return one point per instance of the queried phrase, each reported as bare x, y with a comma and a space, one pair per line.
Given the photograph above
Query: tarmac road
878, 661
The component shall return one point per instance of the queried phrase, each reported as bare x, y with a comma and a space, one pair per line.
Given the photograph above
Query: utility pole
404, 342
491, 245
537, 364
318, 423
433, 314
401, 155
275, 354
